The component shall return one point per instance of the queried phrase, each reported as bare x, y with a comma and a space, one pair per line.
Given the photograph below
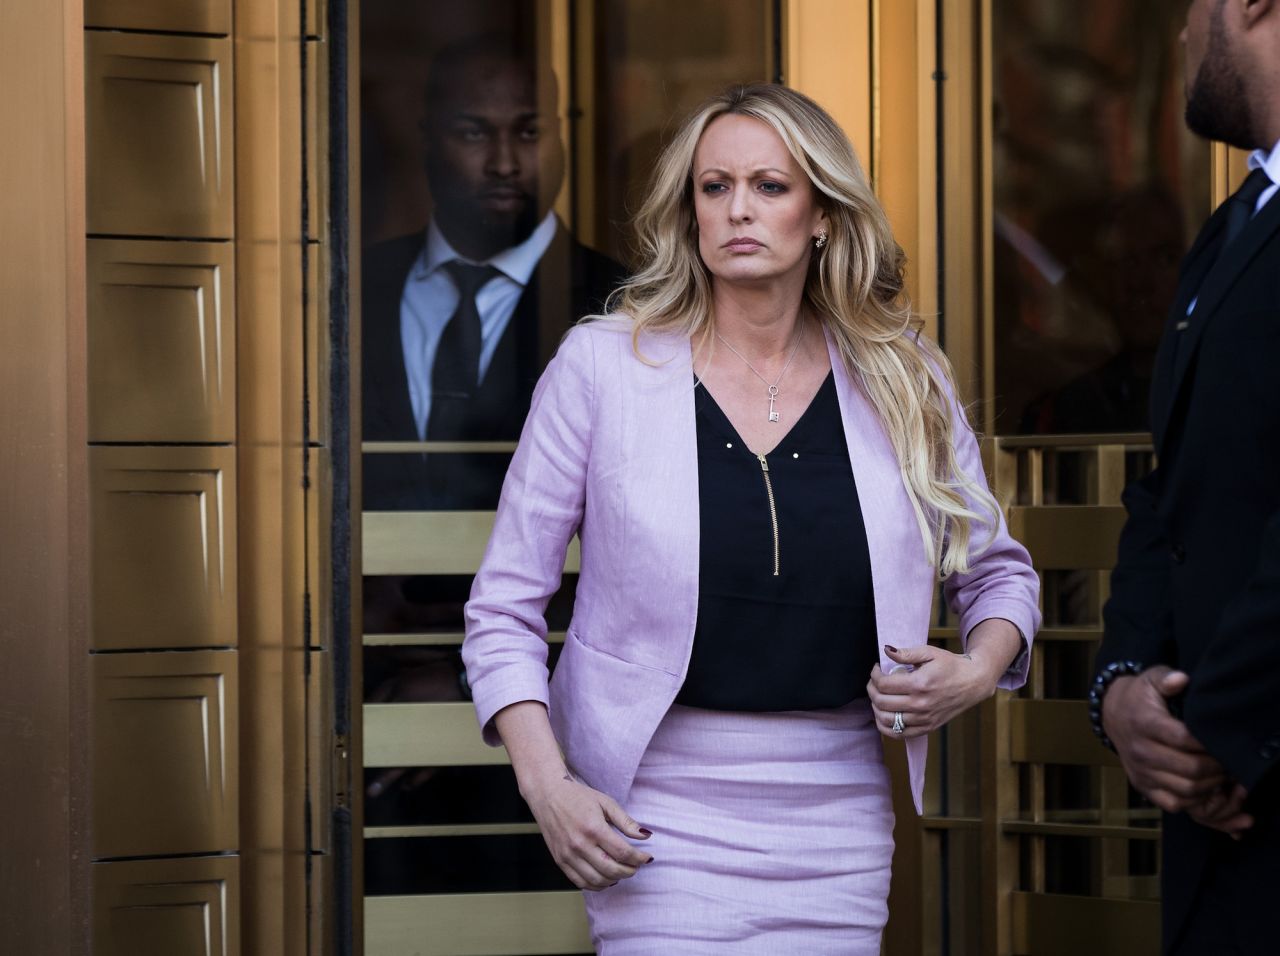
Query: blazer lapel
1217, 282
662, 474
1198, 260
898, 559
1191, 274
901, 574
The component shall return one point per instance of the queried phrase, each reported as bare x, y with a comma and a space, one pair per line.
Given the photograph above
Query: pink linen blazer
609, 452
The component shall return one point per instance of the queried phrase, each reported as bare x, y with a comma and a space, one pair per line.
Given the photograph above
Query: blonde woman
768, 472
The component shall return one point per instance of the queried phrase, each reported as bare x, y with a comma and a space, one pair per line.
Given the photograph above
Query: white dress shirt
1270, 164
430, 298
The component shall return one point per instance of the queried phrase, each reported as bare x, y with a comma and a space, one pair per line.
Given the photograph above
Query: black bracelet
1099, 689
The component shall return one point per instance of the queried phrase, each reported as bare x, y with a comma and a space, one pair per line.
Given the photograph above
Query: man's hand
1163, 761
1224, 810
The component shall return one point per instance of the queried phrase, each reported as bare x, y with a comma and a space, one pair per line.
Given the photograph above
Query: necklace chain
772, 386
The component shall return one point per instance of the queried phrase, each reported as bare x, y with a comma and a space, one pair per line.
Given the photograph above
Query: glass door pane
512, 137
1098, 191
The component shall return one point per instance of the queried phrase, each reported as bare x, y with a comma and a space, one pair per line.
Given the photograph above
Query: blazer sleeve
1000, 581
1230, 705
539, 511
1137, 618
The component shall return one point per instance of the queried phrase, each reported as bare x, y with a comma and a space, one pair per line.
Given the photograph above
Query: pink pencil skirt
772, 835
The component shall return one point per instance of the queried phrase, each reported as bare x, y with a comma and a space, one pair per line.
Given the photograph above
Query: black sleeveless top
786, 615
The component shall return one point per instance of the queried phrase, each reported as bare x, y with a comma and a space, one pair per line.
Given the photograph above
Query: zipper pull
764, 465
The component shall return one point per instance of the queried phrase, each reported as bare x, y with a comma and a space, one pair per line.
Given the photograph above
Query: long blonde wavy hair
855, 287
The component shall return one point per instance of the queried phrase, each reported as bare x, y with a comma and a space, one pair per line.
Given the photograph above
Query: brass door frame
275, 463
43, 470
344, 741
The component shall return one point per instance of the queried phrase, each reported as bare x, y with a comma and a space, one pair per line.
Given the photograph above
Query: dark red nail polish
650, 860
644, 832
890, 647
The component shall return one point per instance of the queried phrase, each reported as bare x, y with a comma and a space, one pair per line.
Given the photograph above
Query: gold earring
820, 239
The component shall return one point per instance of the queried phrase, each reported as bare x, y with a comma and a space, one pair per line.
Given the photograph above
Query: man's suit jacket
571, 281
1197, 581
609, 451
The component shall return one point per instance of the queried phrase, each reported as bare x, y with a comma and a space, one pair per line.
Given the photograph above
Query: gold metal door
164, 742
206, 476
452, 862
625, 70
1031, 842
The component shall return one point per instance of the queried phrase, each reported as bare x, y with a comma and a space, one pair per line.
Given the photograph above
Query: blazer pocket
575, 635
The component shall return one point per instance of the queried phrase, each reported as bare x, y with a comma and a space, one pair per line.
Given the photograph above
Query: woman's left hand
935, 684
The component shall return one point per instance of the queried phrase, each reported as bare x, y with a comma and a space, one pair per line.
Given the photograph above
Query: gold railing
1031, 843
1021, 795
443, 734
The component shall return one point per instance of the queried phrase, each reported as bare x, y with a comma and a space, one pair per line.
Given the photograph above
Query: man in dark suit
1188, 683
458, 324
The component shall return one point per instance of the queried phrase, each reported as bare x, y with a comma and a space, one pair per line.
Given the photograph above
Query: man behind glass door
456, 328
1188, 679
494, 163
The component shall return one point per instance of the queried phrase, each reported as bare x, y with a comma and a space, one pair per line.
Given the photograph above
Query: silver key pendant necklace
772, 386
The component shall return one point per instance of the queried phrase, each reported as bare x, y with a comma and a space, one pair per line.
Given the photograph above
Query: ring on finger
898, 724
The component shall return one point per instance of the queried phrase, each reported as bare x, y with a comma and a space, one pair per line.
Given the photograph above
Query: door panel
161, 341
164, 547
162, 907
159, 136
190, 16
453, 862
1097, 190
165, 754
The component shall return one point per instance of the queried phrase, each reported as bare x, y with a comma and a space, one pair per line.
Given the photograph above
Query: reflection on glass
489, 176
458, 316
1096, 181
654, 63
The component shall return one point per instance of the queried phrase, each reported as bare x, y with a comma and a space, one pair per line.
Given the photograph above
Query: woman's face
756, 210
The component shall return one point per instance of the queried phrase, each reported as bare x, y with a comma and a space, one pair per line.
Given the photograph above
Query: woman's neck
759, 322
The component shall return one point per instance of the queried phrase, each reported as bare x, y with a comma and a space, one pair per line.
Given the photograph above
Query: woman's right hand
583, 829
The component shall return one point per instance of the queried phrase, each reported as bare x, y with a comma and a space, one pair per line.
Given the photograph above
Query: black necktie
1242, 203
455, 373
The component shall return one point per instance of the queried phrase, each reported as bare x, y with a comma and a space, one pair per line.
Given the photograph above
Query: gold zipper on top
773, 513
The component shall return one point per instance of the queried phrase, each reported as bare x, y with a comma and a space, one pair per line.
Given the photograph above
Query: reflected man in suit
1188, 682
457, 324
